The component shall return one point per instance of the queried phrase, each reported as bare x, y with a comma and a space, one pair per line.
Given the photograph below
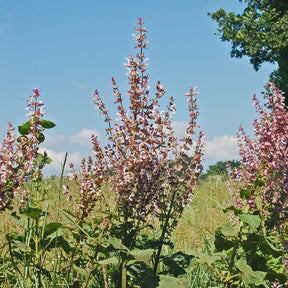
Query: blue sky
70, 48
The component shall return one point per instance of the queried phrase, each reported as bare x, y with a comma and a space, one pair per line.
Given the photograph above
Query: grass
196, 226
204, 213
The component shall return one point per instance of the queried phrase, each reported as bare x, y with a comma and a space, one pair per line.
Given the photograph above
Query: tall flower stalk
261, 184
265, 159
144, 164
18, 155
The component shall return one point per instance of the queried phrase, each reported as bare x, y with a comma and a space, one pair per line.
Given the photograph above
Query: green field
195, 228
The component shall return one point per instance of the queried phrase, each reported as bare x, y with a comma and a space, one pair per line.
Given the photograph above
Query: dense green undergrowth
44, 239
45, 244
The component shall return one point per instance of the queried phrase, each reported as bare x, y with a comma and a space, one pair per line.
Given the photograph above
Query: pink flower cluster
17, 155
265, 159
146, 166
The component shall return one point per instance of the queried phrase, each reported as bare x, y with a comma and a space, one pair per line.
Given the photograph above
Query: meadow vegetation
138, 214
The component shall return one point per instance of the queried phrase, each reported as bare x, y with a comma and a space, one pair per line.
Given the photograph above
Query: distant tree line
220, 168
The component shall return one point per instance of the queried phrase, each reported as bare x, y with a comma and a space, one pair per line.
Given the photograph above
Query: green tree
220, 168
261, 33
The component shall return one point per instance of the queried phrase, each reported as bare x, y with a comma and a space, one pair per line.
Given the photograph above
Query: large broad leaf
24, 247
267, 247
25, 128
54, 240
172, 282
19, 220
253, 221
81, 271
223, 242
204, 258
51, 227
249, 276
117, 244
177, 263
143, 255
111, 260
34, 213
47, 124
142, 274
229, 230
41, 137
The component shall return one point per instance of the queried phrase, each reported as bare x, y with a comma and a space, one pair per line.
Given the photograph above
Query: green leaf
34, 213
249, 276
22, 246
41, 137
222, 242
47, 124
267, 247
43, 158
64, 244
21, 137
228, 230
117, 244
81, 271
245, 194
141, 274
24, 129
52, 227
172, 282
48, 160
177, 263
234, 209
255, 277
111, 260
259, 183
253, 221
142, 255
204, 258
242, 266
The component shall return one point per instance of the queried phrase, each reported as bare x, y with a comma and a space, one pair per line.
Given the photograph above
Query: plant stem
88, 277
104, 276
124, 272
164, 230
123, 254
231, 264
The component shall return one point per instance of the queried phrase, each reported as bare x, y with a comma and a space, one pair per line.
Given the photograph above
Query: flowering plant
147, 168
262, 184
248, 250
19, 157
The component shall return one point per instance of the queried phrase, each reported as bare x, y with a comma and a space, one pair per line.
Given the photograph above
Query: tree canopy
261, 33
220, 168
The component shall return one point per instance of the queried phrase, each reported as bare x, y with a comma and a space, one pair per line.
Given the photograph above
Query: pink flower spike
37, 92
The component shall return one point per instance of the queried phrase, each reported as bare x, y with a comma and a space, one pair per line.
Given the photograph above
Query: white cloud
55, 167
220, 149
179, 128
83, 137
78, 146
55, 141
